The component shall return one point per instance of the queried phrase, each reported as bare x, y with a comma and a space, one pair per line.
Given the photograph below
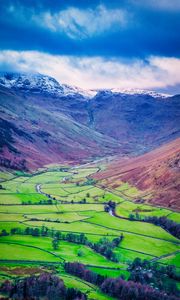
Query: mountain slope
156, 172
35, 131
44, 121
145, 121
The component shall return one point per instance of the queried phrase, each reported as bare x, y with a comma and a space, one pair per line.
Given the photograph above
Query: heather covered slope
35, 132
156, 173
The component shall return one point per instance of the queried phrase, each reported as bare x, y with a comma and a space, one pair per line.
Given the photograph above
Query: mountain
35, 132
145, 121
38, 83
157, 173
43, 121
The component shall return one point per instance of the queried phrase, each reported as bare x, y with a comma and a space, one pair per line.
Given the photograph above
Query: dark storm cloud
120, 28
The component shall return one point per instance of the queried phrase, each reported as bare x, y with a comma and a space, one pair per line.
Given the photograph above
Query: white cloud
76, 23
96, 72
82, 23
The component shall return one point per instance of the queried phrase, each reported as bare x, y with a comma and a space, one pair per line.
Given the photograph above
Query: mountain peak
38, 83
125, 92
140, 92
29, 82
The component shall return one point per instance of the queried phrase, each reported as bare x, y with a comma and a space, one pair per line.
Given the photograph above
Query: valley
59, 214
89, 191
90, 150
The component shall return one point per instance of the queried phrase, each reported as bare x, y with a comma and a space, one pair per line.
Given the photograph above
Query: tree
83, 200
55, 244
106, 208
44, 231
35, 232
27, 231
4, 232
131, 217
80, 253
14, 230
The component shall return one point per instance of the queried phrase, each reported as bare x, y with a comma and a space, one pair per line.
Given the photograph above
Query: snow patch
39, 83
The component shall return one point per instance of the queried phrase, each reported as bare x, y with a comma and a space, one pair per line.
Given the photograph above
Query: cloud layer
126, 28
82, 23
97, 72
94, 43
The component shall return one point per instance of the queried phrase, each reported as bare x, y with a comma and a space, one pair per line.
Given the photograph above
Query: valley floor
69, 201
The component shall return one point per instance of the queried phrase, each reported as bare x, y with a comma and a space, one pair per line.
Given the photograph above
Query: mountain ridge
42, 127
49, 84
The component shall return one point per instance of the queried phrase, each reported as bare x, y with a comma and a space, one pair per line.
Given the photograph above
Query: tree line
117, 287
46, 286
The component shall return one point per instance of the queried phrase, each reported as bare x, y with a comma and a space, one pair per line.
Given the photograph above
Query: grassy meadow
67, 202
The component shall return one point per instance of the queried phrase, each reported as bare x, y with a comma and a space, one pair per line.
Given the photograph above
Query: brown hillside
156, 172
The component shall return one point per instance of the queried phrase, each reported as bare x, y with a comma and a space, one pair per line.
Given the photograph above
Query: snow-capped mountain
140, 92
38, 83
59, 122
125, 92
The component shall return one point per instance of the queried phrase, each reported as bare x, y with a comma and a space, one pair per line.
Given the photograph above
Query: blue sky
94, 44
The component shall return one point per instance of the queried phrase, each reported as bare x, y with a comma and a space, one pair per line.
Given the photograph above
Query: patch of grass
83, 172
55, 192
21, 198
80, 207
171, 260
109, 272
11, 217
67, 251
74, 227
126, 208
26, 187
5, 176
25, 253
23, 209
111, 197
174, 217
128, 190
48, 177
10, 199
148, 229
147, 245
11, 224
21, 173
57, 217
93, 194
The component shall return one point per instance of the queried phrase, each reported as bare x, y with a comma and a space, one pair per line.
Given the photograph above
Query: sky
94, 44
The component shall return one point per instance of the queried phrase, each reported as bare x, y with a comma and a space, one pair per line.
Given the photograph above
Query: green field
125, 225
78, 208
19, 252
126, 208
